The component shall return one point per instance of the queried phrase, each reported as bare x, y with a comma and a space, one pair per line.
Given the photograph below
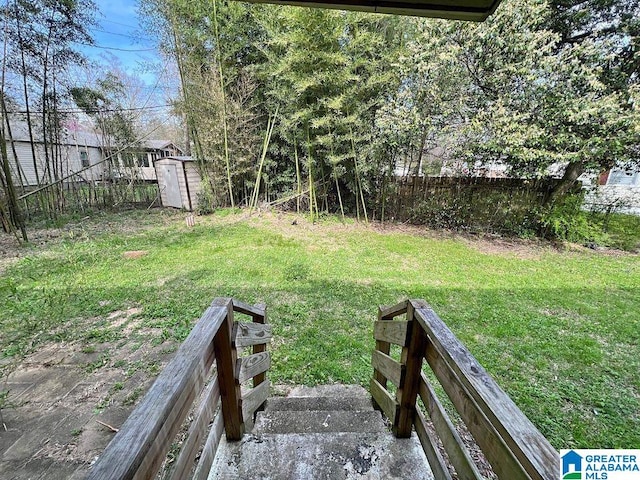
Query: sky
118, 33
120, 39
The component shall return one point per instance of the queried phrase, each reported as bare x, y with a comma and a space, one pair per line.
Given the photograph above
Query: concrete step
318, 422
335, 456
298, 404
335, 390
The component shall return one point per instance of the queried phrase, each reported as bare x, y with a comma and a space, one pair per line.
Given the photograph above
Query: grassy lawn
559, 330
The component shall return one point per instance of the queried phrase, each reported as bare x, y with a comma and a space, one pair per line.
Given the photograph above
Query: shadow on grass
572, 366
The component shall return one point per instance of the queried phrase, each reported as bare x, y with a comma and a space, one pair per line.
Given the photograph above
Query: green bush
566, 220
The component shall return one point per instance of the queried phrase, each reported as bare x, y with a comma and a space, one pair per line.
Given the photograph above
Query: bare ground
66, 400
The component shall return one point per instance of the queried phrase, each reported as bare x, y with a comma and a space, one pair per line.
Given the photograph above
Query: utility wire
118, 23
116, 48
106, 110
134, 37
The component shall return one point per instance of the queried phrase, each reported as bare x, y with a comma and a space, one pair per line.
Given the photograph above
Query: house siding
69, 158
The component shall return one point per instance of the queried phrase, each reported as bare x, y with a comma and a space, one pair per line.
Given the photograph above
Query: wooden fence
509, 441
479, 203
190, 384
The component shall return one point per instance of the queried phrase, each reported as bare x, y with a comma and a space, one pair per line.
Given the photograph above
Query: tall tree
41, 39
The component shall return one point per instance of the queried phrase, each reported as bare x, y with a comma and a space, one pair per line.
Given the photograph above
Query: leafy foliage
539, 84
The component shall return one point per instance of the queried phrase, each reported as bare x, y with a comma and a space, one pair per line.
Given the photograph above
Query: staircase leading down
325, 432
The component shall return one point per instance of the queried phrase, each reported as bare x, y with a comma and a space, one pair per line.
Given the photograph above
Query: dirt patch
522, 249
135, 254
61, 397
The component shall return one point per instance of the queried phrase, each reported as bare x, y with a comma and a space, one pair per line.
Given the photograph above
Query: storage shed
179, 181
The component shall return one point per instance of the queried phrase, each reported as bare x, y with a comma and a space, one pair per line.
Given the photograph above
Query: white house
138, 162
77, 150
80, 155
615, 190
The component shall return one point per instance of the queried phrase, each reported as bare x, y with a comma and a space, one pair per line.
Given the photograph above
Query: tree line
319, 106
48, 84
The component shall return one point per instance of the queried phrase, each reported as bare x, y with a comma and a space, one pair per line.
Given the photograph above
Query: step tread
318, 421
372, 455
318, 403
332, 390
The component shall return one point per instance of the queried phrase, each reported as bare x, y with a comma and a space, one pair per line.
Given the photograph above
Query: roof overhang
473, 10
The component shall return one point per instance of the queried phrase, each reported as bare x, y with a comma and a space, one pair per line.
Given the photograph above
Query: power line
118, 49
106, 110
118, 23
134, 37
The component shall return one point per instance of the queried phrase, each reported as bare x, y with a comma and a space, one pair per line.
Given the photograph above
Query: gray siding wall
69, 159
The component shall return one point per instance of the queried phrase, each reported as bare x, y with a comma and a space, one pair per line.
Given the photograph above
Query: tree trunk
571, 174
15, 216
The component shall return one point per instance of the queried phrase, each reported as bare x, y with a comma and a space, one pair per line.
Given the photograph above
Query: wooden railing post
226, 357
384, 347
411, 358
261, 347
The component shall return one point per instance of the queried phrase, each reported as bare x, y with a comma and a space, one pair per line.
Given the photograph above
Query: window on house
127, 159
142, 160
84, 158
622, 177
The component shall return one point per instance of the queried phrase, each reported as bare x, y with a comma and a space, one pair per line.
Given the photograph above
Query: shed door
171, 186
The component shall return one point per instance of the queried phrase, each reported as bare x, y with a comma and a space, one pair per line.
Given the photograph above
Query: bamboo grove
316, 108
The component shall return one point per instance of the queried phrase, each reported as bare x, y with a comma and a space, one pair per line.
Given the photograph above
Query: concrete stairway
325, 432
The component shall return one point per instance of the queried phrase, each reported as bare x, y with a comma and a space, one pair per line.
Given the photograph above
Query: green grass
623, 230
559, 331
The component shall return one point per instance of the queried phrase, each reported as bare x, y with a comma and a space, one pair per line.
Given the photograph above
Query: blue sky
118, 33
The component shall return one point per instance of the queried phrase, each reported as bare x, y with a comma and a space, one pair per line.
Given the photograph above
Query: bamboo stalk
359, 183
265, 146
299, 180
224, 103
335, 177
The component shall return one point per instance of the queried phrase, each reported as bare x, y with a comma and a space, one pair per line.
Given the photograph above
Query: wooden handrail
139, 448
510, 442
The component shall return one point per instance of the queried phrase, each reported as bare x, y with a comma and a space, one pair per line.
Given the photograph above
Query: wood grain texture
387, 313
249, 367
387, 366
384, 347
210, 448
226, 358
430, 446
501, 458
254, 398
138, 449
260, 347
531, 449
391, 331
384, 399
254, 311
197, 431
458, 455
407, 393
247, 334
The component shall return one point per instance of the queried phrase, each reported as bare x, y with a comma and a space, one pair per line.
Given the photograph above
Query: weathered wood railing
140, 447
509, 441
